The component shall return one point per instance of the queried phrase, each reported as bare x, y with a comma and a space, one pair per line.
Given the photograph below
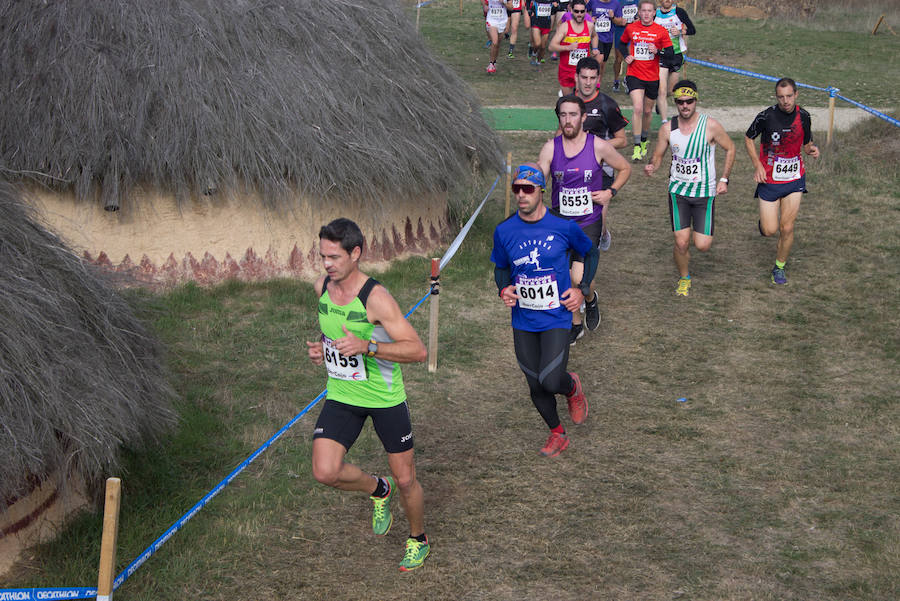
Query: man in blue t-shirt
531, 269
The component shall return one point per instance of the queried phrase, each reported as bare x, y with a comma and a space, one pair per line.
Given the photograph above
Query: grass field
804, 51
775, 479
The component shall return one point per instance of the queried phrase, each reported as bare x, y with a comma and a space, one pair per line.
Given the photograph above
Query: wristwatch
613, 191
373, 348
724, 180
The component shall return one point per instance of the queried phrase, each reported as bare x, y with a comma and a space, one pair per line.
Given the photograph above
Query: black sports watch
613, 191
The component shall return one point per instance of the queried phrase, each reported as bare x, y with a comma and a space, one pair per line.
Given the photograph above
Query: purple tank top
573, 181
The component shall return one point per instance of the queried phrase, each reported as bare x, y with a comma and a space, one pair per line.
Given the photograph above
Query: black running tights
543, 357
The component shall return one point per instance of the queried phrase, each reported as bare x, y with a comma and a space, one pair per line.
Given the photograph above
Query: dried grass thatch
338, 98
79, 374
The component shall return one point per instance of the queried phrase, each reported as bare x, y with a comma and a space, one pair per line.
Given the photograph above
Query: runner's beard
566, 132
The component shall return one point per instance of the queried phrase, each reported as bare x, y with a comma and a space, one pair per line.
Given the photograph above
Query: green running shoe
636, 155
381, 514
645, 146
415, 554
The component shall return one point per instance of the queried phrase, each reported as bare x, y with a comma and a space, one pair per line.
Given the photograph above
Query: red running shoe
556, 444
491, 68
578, 406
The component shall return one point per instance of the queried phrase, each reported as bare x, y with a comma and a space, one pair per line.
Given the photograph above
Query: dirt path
738, 118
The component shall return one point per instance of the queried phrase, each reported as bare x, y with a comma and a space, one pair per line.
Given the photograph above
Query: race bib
341, 367
496, 12
642, 52
543, 10
517, 4
576, 55
575, 202
538, 293
686, 171
629, 12
602, 23
786, 170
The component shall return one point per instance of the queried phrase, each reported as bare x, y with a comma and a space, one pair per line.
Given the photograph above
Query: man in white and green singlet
364, 339
692, 177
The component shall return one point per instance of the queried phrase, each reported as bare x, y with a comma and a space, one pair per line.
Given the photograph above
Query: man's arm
556, 44
759, 172
545, 158
314, 349
618, 140
604, 152
616, 123
811, 149
383, 309
689, 28
662, 143
720, 137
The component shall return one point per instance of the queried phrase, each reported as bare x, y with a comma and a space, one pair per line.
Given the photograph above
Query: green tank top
358, 380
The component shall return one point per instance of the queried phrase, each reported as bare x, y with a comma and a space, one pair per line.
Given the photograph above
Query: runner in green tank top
364, 339
692, 176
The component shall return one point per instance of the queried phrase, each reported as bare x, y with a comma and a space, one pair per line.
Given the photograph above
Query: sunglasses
686, 101
578, 12
526, 188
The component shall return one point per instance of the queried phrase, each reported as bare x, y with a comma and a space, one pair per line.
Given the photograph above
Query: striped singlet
693, 171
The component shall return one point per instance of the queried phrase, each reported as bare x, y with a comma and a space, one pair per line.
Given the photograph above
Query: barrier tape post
433, 315
508, 181
109, 539
418, 10
831, 94
877, 25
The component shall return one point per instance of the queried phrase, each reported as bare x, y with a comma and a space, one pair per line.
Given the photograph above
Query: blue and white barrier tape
43, 594
746, 73
36, 594
872, 111
454, 246
832, 91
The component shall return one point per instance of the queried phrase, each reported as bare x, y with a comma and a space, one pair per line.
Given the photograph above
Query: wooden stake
108, 542
830, 121
433, 315
880, 19
460, 7
418, 10
695, 7
508, 182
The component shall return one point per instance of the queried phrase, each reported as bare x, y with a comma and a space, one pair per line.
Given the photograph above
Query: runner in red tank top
573, 40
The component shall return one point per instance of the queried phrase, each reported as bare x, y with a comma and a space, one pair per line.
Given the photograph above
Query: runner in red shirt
573, 40
646, 42
785, 130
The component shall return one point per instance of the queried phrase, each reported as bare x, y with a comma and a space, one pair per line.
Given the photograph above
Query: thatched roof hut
80, 376
226, 131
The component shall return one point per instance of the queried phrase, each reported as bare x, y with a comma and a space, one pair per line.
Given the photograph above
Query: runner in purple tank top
574, 160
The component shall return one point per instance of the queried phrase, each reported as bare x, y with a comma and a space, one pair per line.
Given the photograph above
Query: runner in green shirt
364, 339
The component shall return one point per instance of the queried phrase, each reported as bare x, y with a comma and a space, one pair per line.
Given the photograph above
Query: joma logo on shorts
405, 438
